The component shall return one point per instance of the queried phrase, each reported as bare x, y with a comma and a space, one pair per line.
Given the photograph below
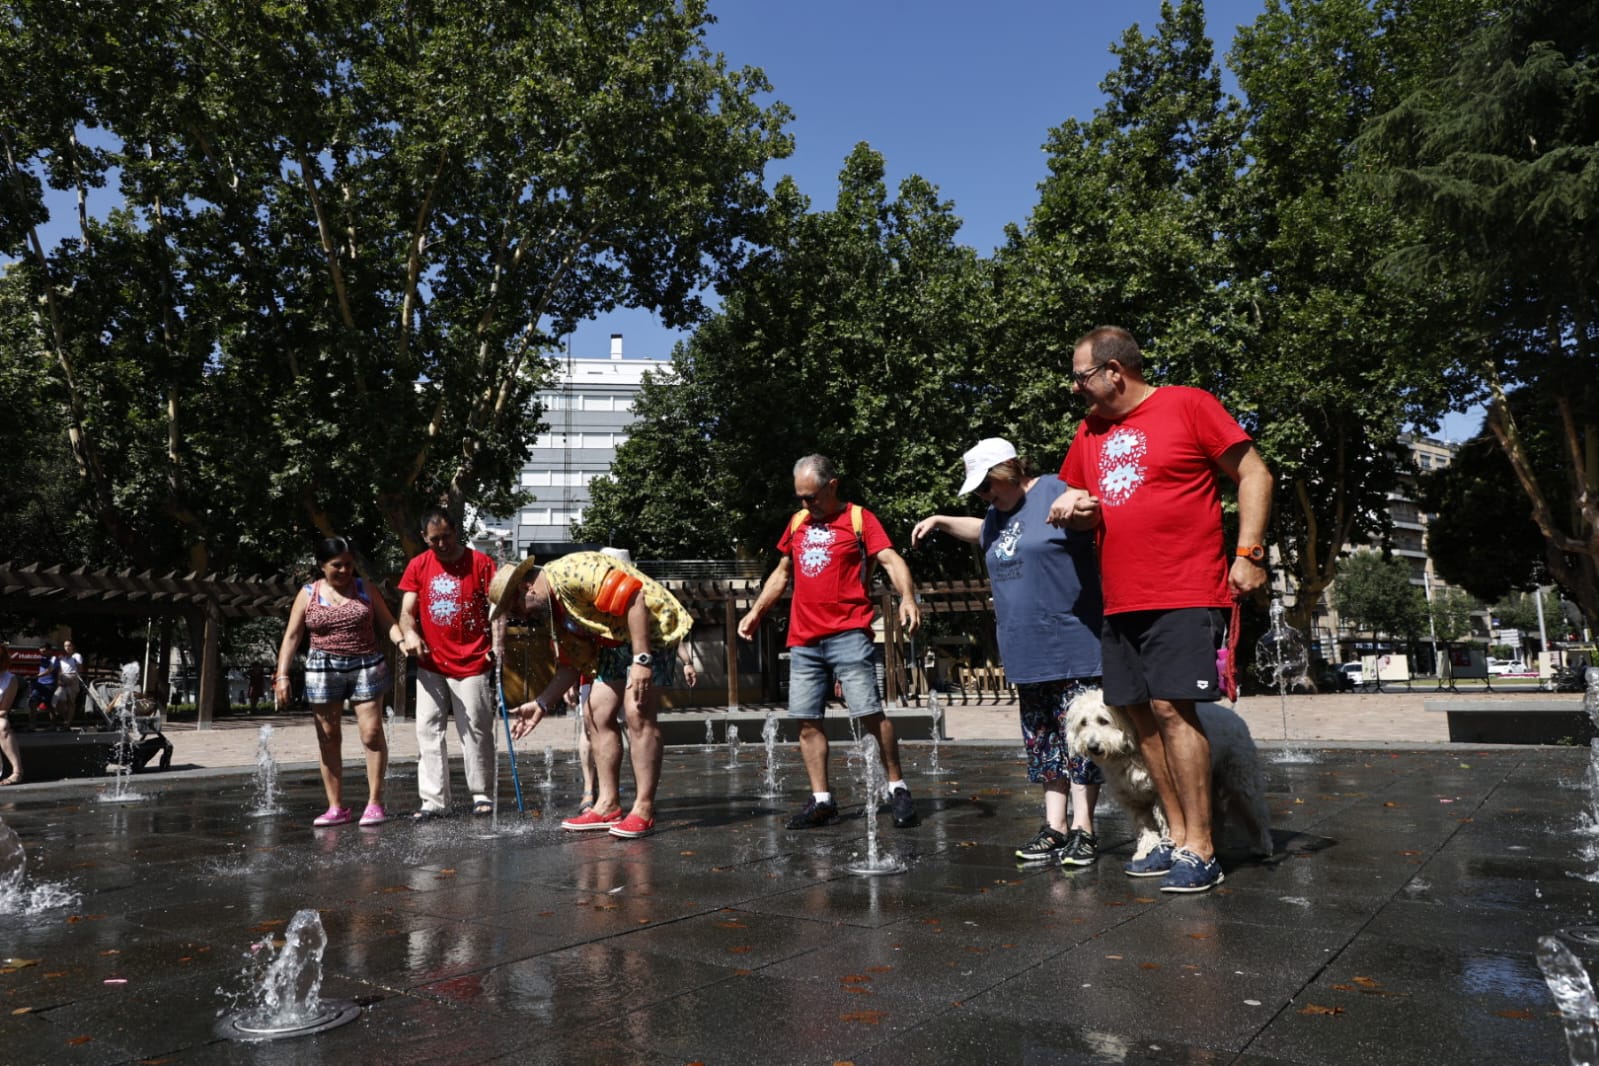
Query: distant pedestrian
42, 692
345, 662
828, 551
444, 619
69, 682
1048, 612
10, 684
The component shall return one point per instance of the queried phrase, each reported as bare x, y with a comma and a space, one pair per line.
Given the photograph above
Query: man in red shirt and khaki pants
827, 549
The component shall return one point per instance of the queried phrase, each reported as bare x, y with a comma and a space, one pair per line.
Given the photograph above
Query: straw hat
507, 579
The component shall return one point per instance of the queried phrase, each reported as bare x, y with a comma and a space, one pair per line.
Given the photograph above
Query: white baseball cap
984, 456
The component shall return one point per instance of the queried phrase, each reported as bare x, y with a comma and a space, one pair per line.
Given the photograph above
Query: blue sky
963, 94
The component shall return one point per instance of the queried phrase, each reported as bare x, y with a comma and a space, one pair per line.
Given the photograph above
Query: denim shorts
336, 678
850, 658
615, 662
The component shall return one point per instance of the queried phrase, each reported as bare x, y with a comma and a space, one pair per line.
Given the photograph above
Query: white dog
1105, 734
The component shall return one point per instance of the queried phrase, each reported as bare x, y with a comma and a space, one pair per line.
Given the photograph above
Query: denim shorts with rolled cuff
850, 658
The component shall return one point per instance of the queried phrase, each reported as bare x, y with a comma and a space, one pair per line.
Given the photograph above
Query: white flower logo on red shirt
816, 549
1121, 465
444, 600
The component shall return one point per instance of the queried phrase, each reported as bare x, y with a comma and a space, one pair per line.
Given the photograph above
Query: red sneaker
592, 820
632, 826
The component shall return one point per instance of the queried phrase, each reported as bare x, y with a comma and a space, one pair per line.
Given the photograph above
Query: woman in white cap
1047, 611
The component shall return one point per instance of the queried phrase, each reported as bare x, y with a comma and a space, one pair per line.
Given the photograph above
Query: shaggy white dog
1105, 734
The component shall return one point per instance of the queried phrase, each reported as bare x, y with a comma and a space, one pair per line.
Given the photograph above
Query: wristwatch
643, 658
1253, 552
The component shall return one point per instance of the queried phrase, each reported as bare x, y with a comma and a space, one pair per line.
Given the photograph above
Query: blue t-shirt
1047, 603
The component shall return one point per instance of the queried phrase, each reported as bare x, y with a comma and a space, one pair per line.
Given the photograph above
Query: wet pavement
1397, 924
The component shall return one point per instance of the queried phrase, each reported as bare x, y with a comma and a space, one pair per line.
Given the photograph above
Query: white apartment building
588, 411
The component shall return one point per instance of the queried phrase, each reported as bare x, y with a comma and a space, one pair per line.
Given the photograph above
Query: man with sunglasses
827, 550
1142, 472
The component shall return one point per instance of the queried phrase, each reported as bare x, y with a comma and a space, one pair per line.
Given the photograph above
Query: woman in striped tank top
345, 663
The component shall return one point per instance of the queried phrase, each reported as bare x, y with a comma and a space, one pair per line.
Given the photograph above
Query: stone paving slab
1396, 924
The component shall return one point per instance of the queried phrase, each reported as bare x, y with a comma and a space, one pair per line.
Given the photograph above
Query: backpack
868, 564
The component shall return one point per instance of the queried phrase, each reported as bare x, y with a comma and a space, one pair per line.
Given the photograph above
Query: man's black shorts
1163, 655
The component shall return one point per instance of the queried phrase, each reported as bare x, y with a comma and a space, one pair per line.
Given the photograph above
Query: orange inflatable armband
616, 589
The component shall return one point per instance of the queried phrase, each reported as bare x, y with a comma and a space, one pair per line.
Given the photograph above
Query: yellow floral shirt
575, 581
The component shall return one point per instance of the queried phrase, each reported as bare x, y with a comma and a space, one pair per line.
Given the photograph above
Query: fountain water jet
14, 897
548, 784
935, 713
265, 787
1573, 991
285, 998
770, 786
124, 707
732, 746
1281, 659
875, 864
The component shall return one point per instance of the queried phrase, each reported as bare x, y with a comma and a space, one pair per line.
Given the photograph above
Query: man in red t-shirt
1142, 472
444, 619
826, 553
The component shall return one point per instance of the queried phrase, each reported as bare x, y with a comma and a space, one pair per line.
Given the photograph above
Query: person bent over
599, 615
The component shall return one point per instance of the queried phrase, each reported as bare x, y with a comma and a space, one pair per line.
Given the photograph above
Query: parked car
1354, 673
1500, 667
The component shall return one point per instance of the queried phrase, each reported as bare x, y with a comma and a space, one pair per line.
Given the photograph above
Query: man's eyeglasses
1082, 377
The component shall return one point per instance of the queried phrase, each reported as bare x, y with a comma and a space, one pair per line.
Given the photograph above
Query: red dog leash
1229, 669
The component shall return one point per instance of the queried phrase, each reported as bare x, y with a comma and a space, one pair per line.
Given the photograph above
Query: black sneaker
1043, 847
904, 808
814, 814
1081, 849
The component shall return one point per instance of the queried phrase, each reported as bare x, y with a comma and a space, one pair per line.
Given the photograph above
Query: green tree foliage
1129, 229
1450, 611
1341, 361
343, 236
1481, 535
1496, 157
1374, 593
1519, 610
857, 334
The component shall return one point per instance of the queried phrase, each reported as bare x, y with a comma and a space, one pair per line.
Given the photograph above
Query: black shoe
426, 814
1081, 849
814, 814
904, 808
1048, 844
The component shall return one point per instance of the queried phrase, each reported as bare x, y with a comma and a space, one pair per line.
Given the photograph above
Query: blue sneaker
1190, 873
1155, 864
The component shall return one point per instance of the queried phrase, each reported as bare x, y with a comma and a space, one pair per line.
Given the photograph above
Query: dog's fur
1105, 734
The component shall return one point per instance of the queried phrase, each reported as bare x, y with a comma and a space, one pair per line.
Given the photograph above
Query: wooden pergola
210, 599
58, 592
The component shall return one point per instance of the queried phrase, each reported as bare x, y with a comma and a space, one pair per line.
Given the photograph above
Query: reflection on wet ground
1397, 923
